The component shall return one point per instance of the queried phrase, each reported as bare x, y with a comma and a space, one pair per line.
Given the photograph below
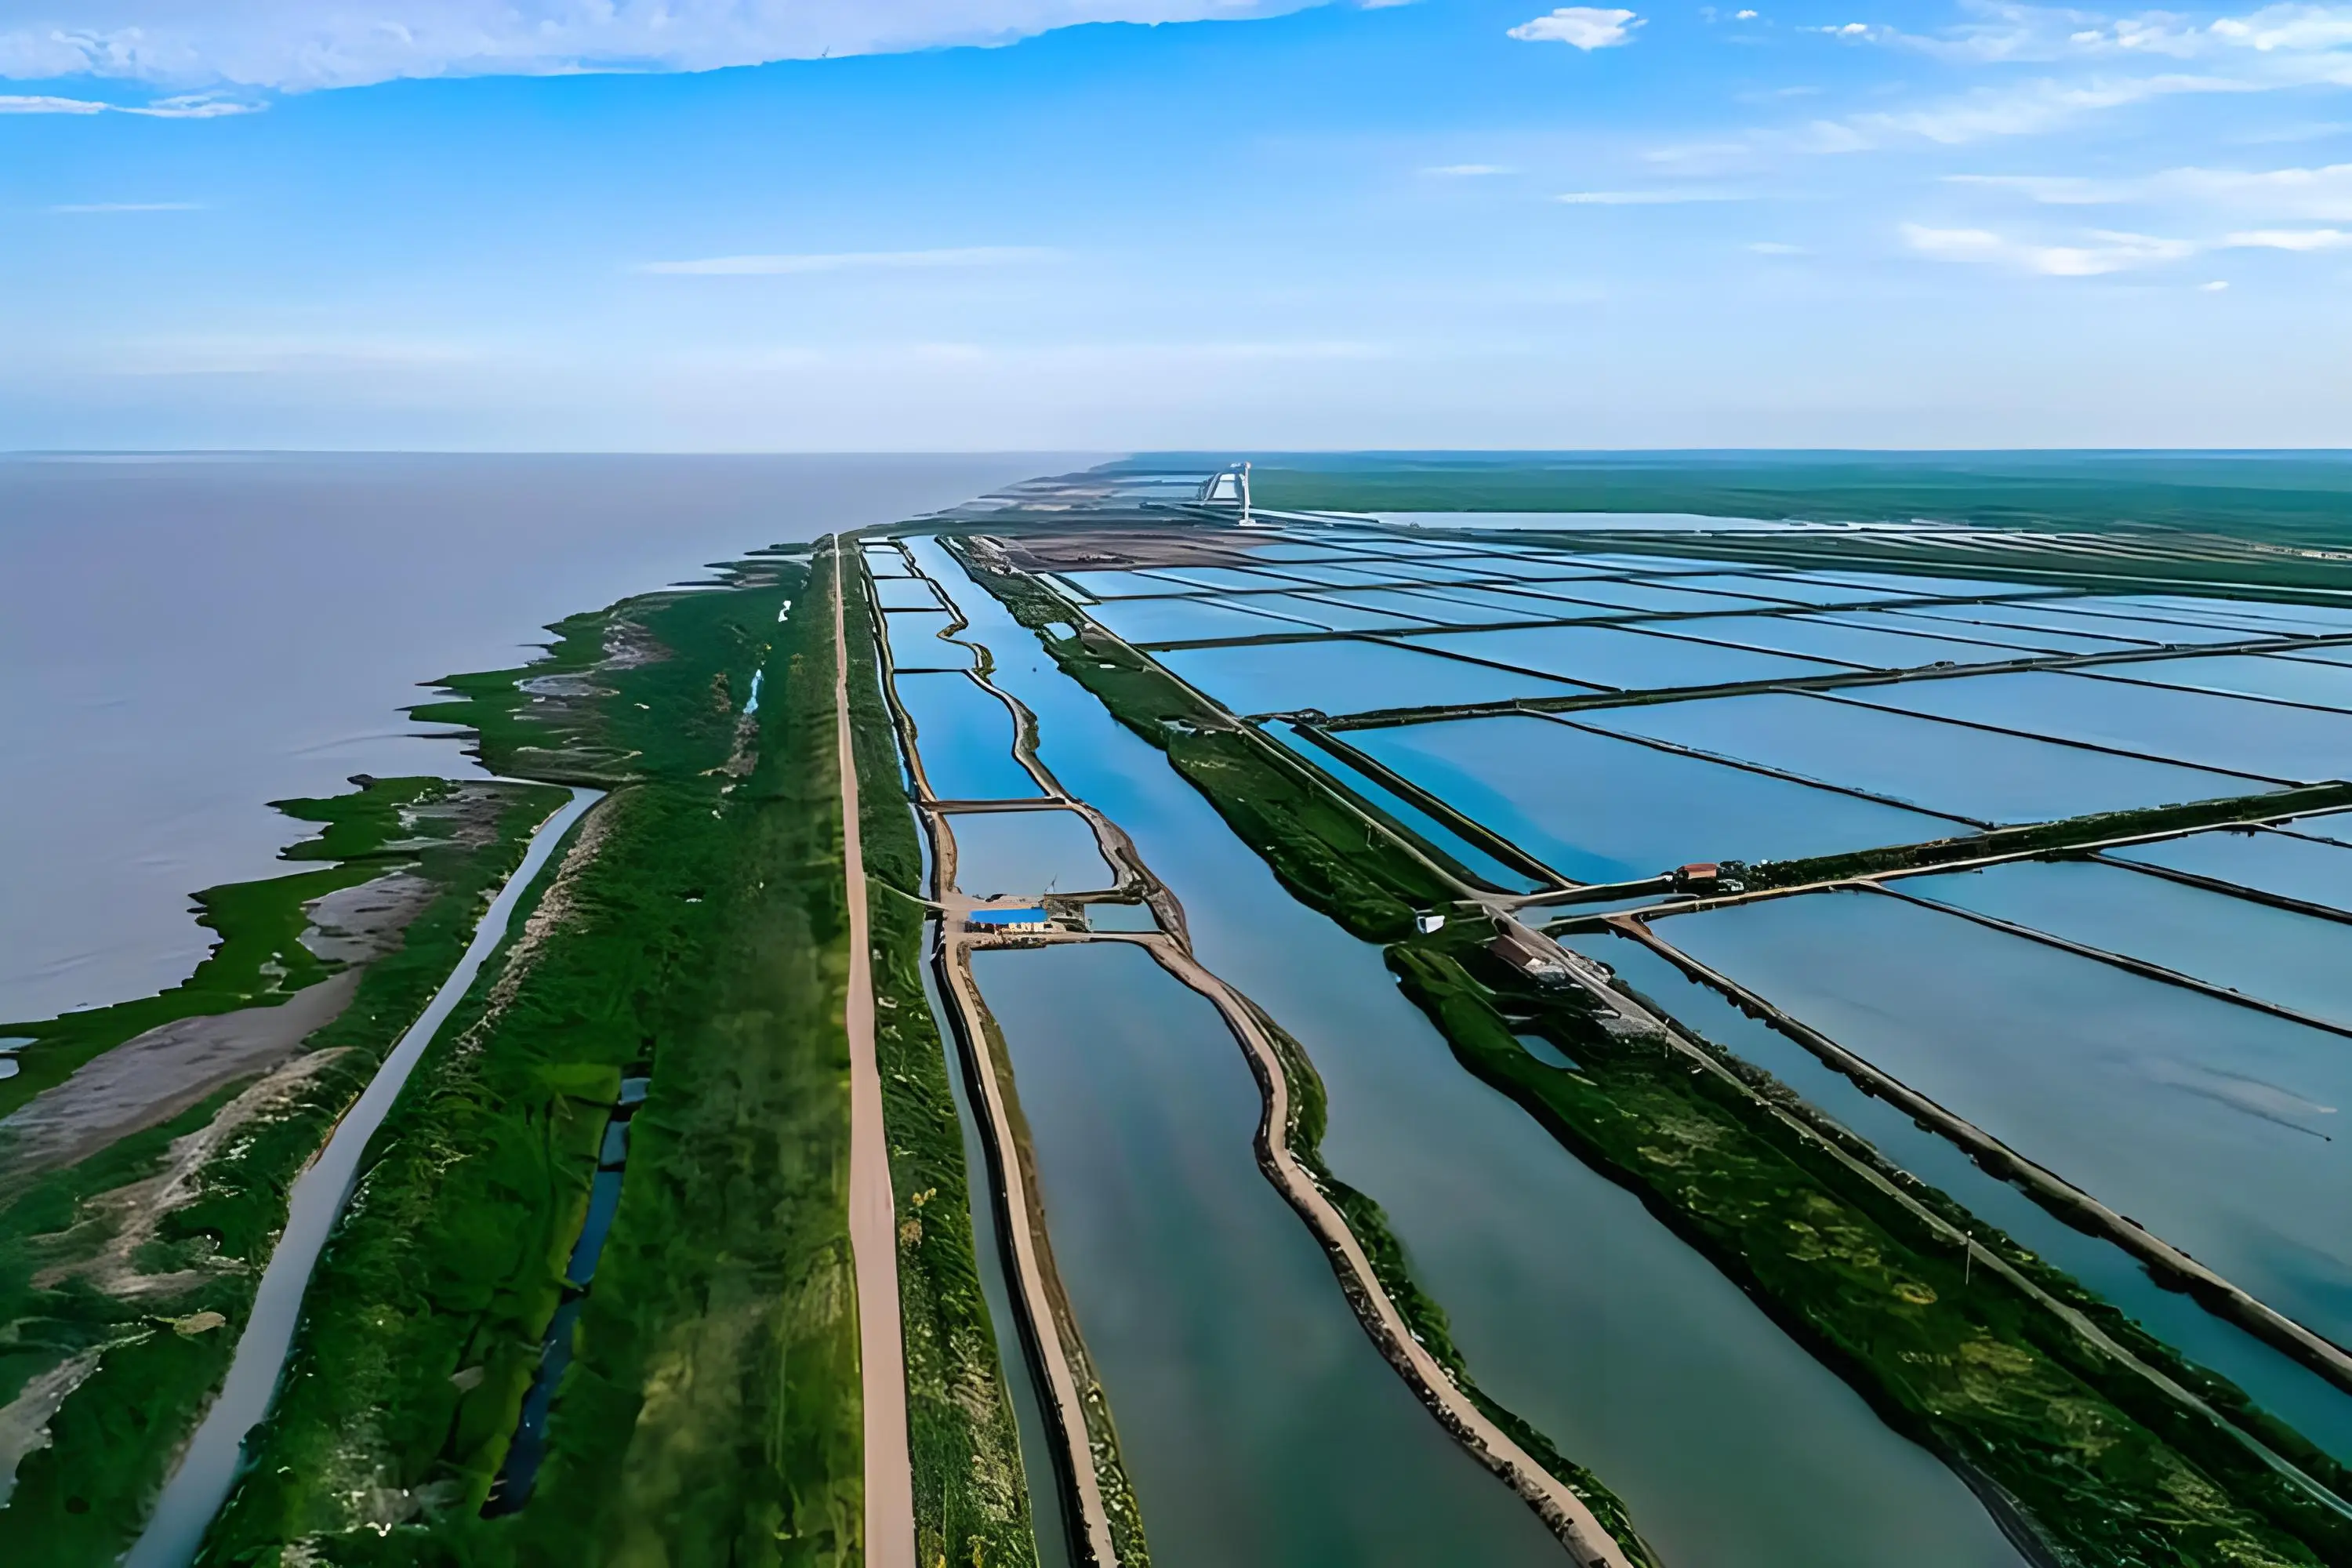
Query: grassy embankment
99, 1258
698, 928
1316, 847
971, 1501
2106, 1465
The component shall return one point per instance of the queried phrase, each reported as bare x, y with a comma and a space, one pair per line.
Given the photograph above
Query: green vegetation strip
698, 926
2106, 1466
2052, 837
971, 1501
103, 1259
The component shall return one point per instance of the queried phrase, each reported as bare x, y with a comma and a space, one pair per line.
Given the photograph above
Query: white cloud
195, 106
1665, 196
1586, 27
847, 261
2290, 239
2322, 195
2215, 287
297, 45
2112, 252
1469, 171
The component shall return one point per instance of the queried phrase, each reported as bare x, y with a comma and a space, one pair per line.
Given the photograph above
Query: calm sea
185, 639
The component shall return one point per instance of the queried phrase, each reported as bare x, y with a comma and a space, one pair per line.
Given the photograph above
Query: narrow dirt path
873, 1212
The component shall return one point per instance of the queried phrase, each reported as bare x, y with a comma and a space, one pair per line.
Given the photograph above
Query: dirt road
873, 1212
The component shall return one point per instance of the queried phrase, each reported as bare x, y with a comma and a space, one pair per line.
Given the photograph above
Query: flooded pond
1186, 620
2192, 727
2285, 1387
965, 737
918, 641
1467, 855
1859, 645
2297, 961
1347, 676
2217, 1127
1599, 809
2321, 684
1621, 660
1976, 773
1258, 1422
1733, 1447
1953, 622
2316, 872
1026, 853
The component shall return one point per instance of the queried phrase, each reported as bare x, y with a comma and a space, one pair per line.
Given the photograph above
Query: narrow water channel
201, 1484
1732, 1447
1259, 1424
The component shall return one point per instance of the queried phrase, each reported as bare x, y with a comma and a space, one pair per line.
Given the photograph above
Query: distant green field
2295, 499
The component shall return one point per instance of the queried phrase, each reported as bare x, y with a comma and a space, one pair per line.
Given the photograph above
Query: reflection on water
1259, 1424
2018, 1037
2304, 1400
1578, 1311
182, 640
1026, 853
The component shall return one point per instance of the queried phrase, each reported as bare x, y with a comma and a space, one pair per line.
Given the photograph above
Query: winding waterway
206, 1472
1733, 1447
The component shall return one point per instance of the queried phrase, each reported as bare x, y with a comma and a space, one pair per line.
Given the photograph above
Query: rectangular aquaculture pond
1622, 659
2298, 961
1188, 620
1978, 775
2312, 870
2214, 1126
1347, 676
1859, 645
1026, 853
2255, 739
1600, 809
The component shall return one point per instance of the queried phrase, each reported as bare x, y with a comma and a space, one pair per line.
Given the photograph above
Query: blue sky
1117, 224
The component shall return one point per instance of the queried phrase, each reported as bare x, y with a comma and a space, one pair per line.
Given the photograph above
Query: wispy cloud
128, 207
1586, 27
2109, 252
299, 45
848, 261
192, 106
2290, 240
1660, 197
2322, 195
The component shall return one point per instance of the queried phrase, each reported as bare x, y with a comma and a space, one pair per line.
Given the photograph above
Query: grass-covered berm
972, 1499
150, 1147
2105, 1467
695, 931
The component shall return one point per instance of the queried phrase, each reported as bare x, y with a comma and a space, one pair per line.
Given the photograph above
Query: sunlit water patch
1623, 659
